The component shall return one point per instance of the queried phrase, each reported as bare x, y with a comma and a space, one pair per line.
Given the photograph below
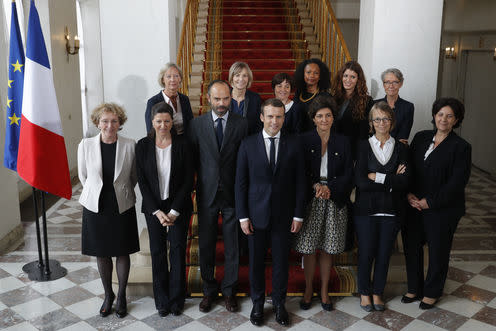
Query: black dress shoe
176, 311
163, 312
426, 306
231, 303
326, 306
405, 299
106, 307
206, 303
257, 315
121, 308
282, 316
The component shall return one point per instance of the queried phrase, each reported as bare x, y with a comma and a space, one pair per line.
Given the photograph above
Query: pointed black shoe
426, 306
305, 305
282, 316
257, 315
106, 307
405, 299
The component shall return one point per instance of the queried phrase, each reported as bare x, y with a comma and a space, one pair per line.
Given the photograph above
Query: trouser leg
387, 230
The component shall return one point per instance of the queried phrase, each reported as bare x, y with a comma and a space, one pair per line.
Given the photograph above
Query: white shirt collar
215, 117
376, 141
266, 135
288, 106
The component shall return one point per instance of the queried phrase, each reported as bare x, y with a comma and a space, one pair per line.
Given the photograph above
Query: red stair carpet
268, 36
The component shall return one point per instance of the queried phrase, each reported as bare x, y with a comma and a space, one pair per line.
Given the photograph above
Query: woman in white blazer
106, 169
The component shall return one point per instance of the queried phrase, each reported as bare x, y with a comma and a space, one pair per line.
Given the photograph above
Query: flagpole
38, 235
45, 234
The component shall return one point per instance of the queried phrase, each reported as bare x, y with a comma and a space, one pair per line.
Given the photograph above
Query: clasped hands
322, 191
166, 219
417, 203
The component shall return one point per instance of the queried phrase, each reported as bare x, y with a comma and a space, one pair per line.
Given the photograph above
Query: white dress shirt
288, 106
224, 120
323, 165
164, 156
177, 120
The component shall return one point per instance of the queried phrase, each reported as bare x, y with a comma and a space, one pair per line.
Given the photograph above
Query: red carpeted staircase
268, 36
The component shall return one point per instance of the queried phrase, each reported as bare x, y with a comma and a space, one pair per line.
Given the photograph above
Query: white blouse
164, 169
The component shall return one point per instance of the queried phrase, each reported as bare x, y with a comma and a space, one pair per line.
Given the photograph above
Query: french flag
42, 157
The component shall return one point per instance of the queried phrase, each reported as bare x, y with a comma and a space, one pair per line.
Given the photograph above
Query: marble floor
72, 302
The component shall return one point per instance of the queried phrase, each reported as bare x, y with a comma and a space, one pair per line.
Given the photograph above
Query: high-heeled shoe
426, 306
106, 307
406, 299
121, 308
305, 305
368, 308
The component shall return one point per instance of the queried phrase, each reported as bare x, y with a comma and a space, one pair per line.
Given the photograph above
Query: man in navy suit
269, 191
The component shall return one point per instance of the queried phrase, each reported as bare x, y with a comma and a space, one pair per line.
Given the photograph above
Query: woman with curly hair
312, 78
354, 103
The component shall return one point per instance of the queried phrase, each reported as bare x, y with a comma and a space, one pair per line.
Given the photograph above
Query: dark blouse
307, 123
108, 200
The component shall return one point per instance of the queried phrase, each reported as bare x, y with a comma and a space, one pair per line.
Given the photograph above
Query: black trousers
278, 238
437, 230
376, 236
207, 239
169, 287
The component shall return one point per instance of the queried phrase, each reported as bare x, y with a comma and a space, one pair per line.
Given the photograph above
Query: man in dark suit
215, 137
270, 186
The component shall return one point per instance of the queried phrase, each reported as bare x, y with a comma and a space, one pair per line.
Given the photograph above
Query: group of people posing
280, 173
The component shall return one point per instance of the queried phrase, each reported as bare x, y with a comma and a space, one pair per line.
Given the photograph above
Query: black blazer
403, 112
185, 109
388, 198
251, 111
181, 177
215, 168
442, 177
293, 119
264, 196
339, 165
355, 130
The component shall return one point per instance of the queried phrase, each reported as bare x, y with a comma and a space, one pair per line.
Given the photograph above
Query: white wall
136, 43
389, 37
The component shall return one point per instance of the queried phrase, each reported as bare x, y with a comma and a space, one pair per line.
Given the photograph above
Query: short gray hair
164, 70
393, 71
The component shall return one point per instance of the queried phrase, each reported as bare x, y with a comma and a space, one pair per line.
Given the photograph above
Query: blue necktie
220, 132
272, 153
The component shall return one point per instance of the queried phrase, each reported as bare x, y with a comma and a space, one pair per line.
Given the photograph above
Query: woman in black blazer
244, 102
283, 84
441, 163
381, 176
328, 167
170, 78
349, 88
312, 78
165, 177
392, 80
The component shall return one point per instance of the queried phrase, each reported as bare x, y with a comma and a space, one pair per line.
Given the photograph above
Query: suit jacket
251, 111
185, 109
390, 197
403, 112
442, 177
90, 172
215, 168
339, 165
264, 196
181, 175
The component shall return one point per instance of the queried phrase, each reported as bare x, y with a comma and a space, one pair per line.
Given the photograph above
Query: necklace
305, 100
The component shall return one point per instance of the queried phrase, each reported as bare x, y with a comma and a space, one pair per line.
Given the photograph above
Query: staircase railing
187, 43
331, 42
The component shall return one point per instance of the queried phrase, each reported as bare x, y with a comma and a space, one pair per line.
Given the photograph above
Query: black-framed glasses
379, 120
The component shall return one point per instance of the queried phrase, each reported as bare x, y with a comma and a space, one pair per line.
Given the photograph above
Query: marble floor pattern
72, 302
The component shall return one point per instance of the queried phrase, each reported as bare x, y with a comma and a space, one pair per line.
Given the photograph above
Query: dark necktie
220, 132
173, 99
272, 153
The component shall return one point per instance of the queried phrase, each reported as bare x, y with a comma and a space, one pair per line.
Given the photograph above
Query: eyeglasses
394, 83
379, 120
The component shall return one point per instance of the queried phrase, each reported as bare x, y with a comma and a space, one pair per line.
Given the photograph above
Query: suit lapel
247, 102
119, 157
97, 156
208, 126
153, 165
280, 152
